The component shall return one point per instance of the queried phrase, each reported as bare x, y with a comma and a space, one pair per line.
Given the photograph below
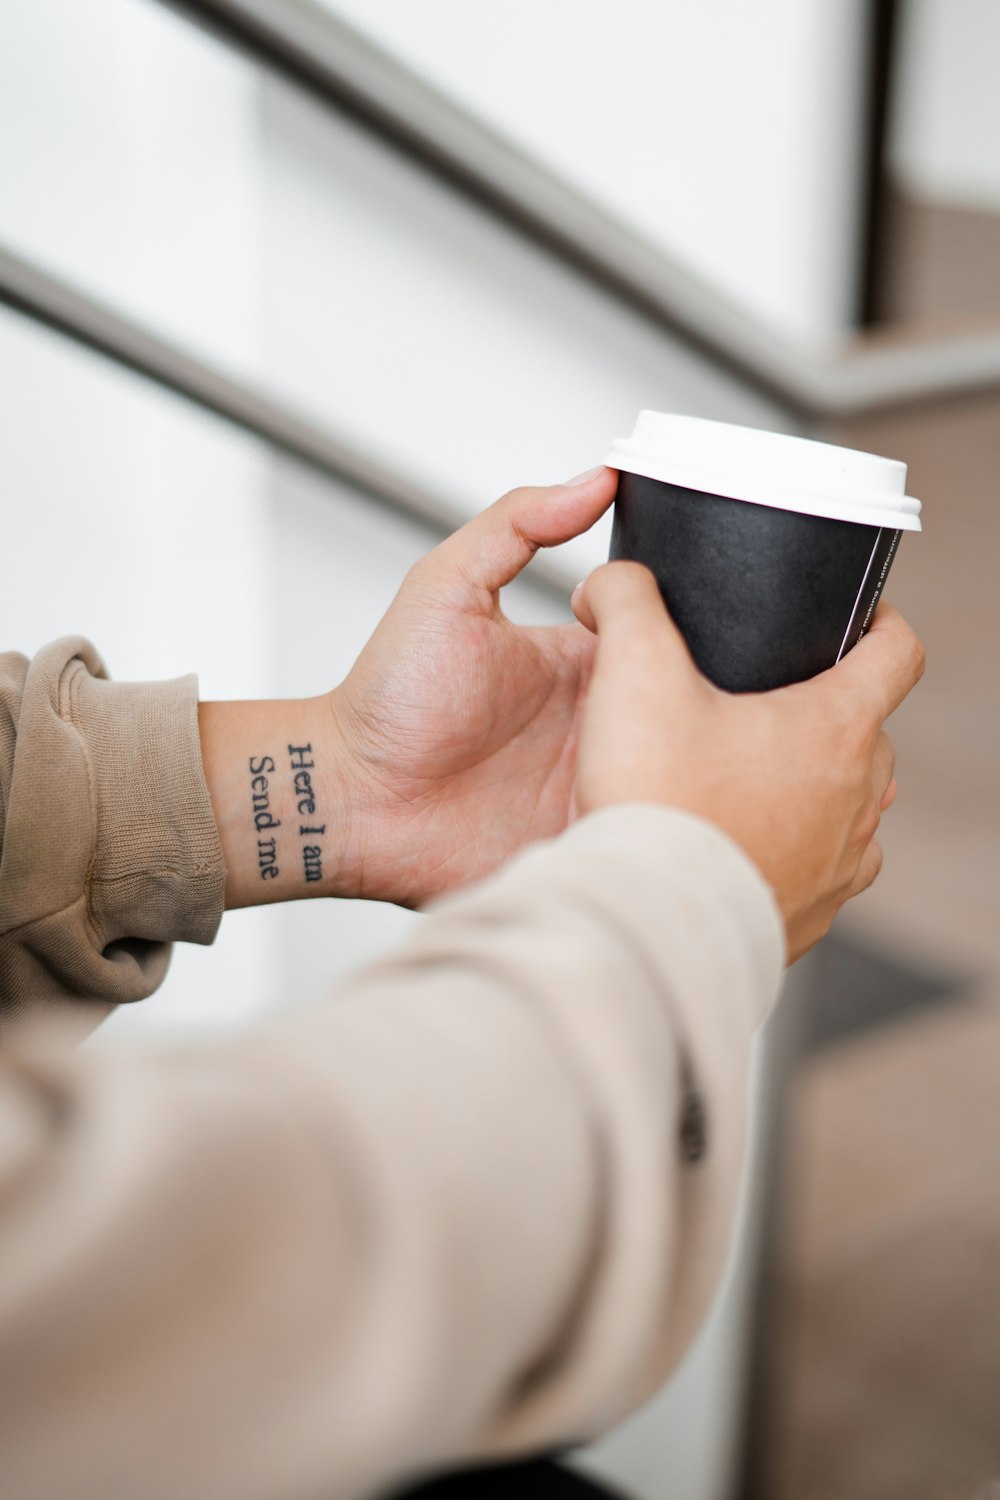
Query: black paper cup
770, 552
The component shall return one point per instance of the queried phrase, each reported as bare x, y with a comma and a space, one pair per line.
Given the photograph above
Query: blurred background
289, 288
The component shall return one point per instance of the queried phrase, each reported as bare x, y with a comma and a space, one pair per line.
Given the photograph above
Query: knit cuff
157, 871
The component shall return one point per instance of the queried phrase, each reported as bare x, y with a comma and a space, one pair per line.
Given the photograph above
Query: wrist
280, 781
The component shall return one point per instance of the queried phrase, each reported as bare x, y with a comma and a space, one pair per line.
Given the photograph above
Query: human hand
456, 728
450, 745
797, 777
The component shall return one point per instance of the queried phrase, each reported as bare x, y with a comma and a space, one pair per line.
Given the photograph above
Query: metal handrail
251, 405
864, 378
352, 72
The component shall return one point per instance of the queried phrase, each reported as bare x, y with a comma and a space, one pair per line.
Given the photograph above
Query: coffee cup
770, 552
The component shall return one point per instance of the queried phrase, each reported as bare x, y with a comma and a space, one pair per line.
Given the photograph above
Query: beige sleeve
477, 1204
108, 847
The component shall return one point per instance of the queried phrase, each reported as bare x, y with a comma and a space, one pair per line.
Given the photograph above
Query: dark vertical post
884, 26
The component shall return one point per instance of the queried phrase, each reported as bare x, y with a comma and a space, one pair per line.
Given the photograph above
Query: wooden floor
889, 1380
887, 1340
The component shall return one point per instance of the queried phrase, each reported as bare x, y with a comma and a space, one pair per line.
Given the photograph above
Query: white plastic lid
768, 468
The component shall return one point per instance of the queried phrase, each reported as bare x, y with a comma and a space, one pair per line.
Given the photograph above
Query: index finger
886, 664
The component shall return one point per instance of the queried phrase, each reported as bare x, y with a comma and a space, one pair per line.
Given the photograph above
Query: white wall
727, 133
945, 134
407, 316
127, 161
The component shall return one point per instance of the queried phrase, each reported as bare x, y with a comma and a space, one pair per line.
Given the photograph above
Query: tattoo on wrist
262, 766
311, 828
302, 764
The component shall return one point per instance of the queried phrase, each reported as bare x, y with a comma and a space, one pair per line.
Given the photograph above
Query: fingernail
577, 589
582, 478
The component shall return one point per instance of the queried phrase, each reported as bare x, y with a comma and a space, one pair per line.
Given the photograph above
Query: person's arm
112, 846
476, 1205
449, 747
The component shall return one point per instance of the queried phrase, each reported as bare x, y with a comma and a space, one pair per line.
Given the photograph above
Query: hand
457, 729
797, 777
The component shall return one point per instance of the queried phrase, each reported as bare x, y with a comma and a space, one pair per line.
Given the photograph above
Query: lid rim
762, 467
869, 508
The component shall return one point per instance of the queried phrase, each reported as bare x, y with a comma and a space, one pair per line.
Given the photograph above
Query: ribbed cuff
158, 871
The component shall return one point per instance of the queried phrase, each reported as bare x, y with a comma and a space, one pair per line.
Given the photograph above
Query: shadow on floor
859, 987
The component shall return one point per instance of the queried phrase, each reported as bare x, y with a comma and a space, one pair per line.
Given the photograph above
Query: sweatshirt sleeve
477, 1205
108, 847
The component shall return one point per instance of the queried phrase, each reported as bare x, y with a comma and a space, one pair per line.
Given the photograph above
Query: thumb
643, 694
622, 599
491, 549
621, 603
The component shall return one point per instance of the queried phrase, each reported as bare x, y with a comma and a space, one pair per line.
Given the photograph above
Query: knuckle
859, 736
439, 577
596, 583
621, 580
885, 758
918, 658
870, 867
423, 568
868, 825
635, 574
516, 497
